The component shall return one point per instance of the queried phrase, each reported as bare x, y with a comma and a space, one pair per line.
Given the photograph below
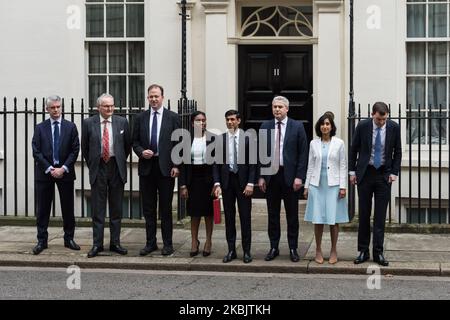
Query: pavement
421, 254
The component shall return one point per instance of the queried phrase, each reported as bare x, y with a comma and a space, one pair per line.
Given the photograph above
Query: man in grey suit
153, 145
105, 142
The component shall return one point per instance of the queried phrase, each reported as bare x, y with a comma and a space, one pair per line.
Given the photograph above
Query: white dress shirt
232, 138
283, 132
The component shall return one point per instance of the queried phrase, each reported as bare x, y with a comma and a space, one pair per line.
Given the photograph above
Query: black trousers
45, 191
232, 193
150, 186
277, 190
107, 187
373, 185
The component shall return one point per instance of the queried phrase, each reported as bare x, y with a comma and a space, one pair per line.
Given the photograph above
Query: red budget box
217, 217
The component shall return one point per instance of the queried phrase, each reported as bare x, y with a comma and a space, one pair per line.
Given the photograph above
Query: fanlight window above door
277, 21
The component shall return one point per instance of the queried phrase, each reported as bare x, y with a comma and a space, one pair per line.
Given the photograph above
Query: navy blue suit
233, 185
155, 181
374, 182
69, 147
280, 184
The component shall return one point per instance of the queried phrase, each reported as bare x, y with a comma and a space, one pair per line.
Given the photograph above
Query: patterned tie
56, 143
234, 167
105, 142
154, 136
377, 153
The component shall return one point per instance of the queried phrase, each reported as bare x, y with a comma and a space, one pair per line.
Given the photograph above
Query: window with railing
427, 215
115, 45
428, 70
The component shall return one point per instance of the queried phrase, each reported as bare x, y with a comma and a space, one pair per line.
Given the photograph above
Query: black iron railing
421, 192
19, 120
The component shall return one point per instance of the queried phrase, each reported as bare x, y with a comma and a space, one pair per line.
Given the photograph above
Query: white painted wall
329, 61
198, 55
163, 47
40, 54
378, 75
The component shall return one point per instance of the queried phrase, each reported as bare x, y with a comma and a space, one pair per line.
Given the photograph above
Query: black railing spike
63, 108
72, 110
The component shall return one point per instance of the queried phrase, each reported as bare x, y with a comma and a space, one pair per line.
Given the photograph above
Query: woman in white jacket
326, 184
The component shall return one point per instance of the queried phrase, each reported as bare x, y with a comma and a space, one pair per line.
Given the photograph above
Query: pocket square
121, 131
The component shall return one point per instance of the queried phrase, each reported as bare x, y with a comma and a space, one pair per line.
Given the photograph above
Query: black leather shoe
167, 251
71, 244
362, 257
194, 253
247, 257
39, 248
118, 249
230, 256
94, 251
294, 255
379, 258
272, 254
148, 249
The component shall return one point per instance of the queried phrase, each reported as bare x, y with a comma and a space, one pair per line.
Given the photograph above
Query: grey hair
51, 99
281, 99
104, 95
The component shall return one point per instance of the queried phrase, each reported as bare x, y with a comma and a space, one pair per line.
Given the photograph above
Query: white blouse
198, 150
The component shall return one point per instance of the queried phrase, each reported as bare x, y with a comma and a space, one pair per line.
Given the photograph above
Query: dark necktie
154, 136
56, 143
377, 153
278, 145
234, 167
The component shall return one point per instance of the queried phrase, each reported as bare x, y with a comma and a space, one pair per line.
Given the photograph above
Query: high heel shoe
194, 253
206, 253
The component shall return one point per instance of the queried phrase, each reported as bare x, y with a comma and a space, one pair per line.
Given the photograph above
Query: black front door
267, 71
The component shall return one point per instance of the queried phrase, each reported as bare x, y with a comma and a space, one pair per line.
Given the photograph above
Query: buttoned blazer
295, 150
336, 163
141, 141
42, 145
91, 144
246, 170
361, 149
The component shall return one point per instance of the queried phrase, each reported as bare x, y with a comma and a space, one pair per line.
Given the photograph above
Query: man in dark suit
106, 144
283, 176
236, 176
375, 155
55, 150
153, 145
